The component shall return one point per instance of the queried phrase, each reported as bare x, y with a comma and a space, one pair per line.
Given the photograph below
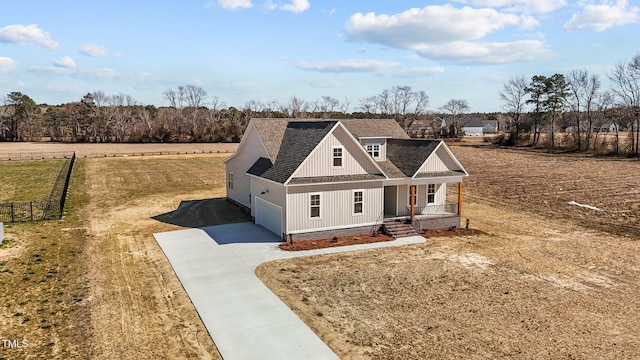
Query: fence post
12, 214
31, 209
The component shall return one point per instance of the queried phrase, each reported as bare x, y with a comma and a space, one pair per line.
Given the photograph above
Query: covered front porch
419, 201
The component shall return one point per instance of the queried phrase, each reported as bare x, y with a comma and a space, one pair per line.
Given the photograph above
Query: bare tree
369, 105
194, 96
514, 103
344, 106
456, 108
626, 87
422, 101
297, 107
384, 102
328, 106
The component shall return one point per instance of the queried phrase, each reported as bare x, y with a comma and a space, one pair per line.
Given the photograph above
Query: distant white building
473, 126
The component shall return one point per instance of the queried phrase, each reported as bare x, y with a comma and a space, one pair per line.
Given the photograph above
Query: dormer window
374, 150
337, 156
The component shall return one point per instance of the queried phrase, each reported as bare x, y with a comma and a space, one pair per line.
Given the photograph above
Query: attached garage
268, 215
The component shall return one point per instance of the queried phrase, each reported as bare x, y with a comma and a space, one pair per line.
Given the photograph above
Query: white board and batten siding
336, 206
439, 160
320, 161
247, 154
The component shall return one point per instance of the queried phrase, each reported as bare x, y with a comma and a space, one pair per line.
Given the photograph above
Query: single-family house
470, 127
312, 179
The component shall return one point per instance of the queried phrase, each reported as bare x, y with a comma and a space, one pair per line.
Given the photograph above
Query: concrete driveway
245, 319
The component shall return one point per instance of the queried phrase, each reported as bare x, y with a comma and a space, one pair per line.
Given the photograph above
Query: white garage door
268, 215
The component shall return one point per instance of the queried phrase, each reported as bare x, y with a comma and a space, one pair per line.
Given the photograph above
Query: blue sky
266, 50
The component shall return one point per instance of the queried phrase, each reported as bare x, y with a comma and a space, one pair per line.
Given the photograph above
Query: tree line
192, 115
574, 111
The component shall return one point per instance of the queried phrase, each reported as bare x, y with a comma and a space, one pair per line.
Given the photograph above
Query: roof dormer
376, 147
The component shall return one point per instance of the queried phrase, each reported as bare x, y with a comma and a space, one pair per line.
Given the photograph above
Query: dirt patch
452, 232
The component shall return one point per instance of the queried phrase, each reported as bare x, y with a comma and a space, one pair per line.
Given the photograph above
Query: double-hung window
230, 181
431, 194
358, 202
314, 206
337, 156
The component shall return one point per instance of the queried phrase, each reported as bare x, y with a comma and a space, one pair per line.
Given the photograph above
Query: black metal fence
51, 209
35, 155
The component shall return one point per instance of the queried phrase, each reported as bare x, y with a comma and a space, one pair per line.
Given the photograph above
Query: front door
390, 200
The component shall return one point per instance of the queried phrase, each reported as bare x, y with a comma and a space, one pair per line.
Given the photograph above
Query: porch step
398, 229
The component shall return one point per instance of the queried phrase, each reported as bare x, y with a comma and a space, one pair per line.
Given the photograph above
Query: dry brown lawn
96, 285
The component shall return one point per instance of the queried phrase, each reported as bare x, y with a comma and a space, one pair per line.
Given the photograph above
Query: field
543, 183
546, 281
27, 180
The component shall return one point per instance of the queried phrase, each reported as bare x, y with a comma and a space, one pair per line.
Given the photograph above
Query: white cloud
296, 6
323, 82
94, 50
604, 16
7, 65
347, 66
66, 62
380, 67
234, 4
430, 24
470, 53
448, 34
50, 70
27, 35
330, 12
526, 6
416, 72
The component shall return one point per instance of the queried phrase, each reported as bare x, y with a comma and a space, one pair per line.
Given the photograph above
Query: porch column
460, 198
412, 191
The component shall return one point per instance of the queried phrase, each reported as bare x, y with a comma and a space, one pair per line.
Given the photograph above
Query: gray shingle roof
271, 131
298, 140
374, 127
260, 166
431, 174
408, 155
338, 178
391, 170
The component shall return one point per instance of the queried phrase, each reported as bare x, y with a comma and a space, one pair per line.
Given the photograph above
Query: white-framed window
337, 154
373, 150
358, 202
314, 206
230, 181
431, 194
